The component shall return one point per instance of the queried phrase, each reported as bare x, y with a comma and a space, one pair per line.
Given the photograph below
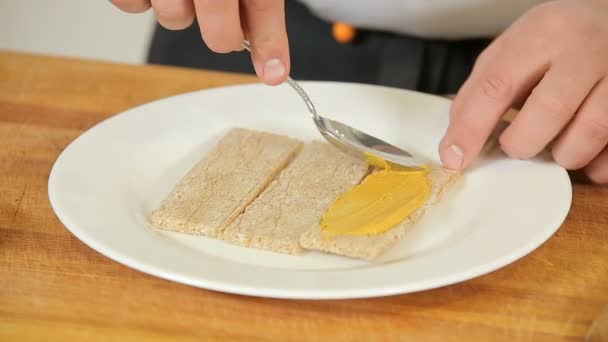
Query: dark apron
432, 66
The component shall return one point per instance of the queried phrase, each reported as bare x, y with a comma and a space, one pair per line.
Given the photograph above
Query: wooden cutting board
53, 287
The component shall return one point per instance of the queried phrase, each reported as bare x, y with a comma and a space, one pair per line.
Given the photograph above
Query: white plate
106, 183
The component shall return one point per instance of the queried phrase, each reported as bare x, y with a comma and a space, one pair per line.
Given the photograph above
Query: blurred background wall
81, 28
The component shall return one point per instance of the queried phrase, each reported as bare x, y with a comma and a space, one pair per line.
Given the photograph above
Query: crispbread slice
370, 247
224, 182
296, 200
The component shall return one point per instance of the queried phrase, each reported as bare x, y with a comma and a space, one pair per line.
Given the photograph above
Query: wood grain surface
54, 288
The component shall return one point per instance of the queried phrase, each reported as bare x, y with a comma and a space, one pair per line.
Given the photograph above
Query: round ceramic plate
104, 186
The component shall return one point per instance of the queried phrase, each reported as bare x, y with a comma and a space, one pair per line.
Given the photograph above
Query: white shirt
447, 19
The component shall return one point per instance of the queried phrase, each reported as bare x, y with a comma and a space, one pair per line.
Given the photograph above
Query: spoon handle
304, 96
295, 86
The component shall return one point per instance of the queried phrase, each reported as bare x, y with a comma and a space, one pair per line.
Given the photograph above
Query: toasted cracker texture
297, 199
218, 188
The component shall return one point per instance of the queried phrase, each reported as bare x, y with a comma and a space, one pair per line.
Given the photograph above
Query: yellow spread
383, 200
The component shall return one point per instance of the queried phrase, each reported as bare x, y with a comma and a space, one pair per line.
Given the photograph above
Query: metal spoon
351, 140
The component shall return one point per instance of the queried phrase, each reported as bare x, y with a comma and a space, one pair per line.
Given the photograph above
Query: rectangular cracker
370, 247
219, 187
296, 200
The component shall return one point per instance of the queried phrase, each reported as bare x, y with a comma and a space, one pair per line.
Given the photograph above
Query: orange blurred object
343, 32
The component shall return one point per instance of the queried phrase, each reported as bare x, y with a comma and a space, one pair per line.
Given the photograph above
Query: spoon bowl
351, 140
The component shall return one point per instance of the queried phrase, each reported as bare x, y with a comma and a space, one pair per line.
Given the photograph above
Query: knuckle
469, 127
554, 107
559, 22
595, 128
550, 15
261, 5
496, 87
213, 5
483, 56
555, 18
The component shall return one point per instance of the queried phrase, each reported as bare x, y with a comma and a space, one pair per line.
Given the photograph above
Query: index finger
501, 75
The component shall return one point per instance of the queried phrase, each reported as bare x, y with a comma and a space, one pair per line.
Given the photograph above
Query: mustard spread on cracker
381, 202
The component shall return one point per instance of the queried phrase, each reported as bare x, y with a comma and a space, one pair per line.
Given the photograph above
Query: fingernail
274, 71
453, 157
